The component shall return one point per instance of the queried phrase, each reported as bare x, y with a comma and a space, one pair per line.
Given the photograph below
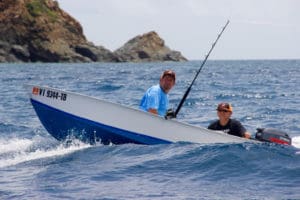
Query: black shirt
233, 127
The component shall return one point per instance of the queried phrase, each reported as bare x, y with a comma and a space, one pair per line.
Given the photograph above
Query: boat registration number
49, 93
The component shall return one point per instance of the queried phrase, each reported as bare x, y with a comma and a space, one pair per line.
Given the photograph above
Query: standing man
226, 124
156, 100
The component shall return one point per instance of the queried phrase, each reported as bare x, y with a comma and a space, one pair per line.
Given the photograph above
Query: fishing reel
170, 114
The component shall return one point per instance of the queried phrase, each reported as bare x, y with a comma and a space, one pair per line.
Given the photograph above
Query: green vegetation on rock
38, 8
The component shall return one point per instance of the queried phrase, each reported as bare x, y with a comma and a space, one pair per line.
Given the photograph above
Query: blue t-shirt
155, 98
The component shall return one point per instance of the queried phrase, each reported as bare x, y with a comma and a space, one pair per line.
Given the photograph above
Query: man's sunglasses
223, 111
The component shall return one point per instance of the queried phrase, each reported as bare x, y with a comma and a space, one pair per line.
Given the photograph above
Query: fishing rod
204, 61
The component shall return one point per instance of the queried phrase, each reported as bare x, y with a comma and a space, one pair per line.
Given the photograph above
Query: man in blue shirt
156, 100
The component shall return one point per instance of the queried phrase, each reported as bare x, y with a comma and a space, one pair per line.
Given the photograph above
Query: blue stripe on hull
62, 125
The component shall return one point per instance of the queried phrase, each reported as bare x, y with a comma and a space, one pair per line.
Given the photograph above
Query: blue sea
264, 94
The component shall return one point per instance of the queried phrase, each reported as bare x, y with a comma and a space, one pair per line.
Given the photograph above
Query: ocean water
264, 93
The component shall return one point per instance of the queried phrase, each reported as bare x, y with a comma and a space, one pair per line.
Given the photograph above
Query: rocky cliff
39, 31
147, 47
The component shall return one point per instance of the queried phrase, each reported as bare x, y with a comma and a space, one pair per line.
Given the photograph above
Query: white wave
296, 142
14, 144
20, 154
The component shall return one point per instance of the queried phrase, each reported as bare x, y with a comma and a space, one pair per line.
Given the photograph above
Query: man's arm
241, 129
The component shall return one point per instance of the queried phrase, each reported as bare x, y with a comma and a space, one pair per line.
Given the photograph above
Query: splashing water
16, 151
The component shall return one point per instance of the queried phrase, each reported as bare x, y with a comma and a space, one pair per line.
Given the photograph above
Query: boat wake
296, 142
15, 151
20, 150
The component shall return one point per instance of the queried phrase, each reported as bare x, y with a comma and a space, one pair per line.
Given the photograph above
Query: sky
258, 29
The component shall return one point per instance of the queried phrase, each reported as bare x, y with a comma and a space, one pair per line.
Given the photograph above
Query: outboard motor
273, 135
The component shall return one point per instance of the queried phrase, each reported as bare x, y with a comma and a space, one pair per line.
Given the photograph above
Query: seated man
226, 124
156, 100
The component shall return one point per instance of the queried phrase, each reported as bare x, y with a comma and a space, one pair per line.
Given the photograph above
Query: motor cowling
273, 135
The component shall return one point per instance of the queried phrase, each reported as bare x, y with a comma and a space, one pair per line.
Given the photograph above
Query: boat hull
70, 115
62, 126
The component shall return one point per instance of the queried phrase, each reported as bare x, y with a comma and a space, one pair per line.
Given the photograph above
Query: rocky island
39, 31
